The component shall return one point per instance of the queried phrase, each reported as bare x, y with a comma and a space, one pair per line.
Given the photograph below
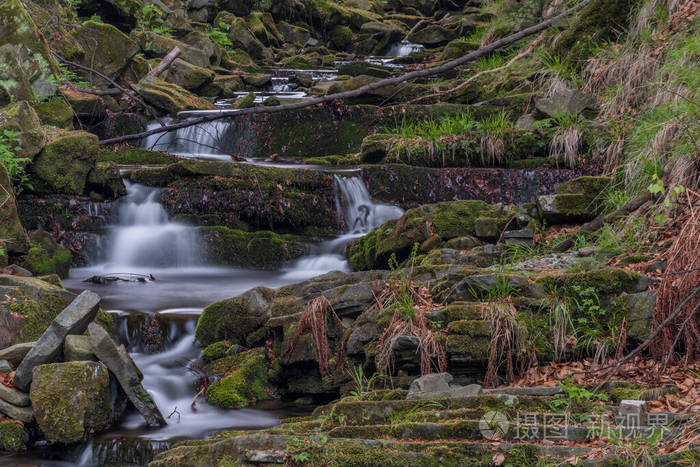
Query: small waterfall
361, 215
211, 140
354, 204
401, 49
145, 237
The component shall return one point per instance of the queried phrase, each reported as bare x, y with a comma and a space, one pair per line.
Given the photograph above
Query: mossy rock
262, 249
71, 400
245, 102
170, 97
341, 37
130, 155
215, 351
106, 180
12, 232
234, 318
86, 105
244, 384
157, 46
188, 76
56, 112
27, 66
64, 163
12, 436
46, 256
299, 62
106, 48
221, 86
22, 118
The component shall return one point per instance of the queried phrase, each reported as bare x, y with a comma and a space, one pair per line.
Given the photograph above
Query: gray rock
78, 348
361, 336
531, 391
463, 243
23, 414
122, 366
632, 407
519, 237
639, 309
435, 385
565, 101
20, 270
16, 353
526, 122
74, 319
5, 366
13, 396
405, 344
350, 300
464, 392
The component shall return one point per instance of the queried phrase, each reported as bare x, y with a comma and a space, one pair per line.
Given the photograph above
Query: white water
403, 48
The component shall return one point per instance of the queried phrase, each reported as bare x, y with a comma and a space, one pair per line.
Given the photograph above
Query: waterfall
401, 49
354, 205
210, 140
145, 237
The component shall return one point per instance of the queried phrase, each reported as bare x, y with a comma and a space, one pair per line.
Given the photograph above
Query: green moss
341, 36
215, 351
63, 164
611, 281
46, 256
56, 112
262, 249
11, 436
244, 384
130, 155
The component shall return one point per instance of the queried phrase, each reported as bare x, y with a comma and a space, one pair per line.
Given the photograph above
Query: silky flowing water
144, 243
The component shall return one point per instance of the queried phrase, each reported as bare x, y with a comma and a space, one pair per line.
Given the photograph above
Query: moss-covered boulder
187, 75
106, 180
71, 400
293, 34
443, 220
243, 381
85, 105
341, 37
56, 112
107, 49
22, 118
170, 97
156, 46
64, 163
26, 64
261, 249
232, 319
11, 230
46, 256
578, 200
243, 38
221, 86
12, 436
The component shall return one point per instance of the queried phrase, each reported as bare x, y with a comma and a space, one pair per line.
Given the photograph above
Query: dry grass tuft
505, 340
568, 141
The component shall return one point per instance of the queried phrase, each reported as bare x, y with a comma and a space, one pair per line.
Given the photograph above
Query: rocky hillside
546, 265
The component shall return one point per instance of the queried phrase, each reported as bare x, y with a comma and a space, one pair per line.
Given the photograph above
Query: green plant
302, 451
9, 146
152, 19
363, 384
496, 127
220, 34
575, 398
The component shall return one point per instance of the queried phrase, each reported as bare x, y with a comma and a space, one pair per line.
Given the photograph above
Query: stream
162, 314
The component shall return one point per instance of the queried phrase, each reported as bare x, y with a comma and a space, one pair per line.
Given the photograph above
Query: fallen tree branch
125, 91
165, 63
603, 219
363, 89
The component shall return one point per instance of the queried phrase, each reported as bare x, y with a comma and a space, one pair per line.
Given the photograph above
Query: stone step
263, 457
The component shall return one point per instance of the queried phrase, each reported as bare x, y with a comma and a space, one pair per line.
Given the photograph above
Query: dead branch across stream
363, 89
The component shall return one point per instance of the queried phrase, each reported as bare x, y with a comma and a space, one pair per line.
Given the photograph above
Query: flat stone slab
13, 396
78, 348
437, 386
74, 319
14, 354
525, 391
127, 373
5, 366
23, 414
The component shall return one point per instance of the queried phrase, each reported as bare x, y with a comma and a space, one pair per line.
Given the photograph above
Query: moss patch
243, 383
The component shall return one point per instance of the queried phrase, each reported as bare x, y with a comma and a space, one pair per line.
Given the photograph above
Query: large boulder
21, 118
243, 38
432, 35
71, 400
234, 318
11, 230
56, 112
73, 320
127, 373
46, 256
64, 163
106, 180
259, 249
156, 46
27, 67
107, 49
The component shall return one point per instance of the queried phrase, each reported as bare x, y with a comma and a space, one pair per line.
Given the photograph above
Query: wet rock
15, 353
21, 118
72, 320
566, 101
78, 348
106, 180
122, 366
245, 102
23, 414
107, 49
46, 256
63, 165
71, 400
11, 230
244, 380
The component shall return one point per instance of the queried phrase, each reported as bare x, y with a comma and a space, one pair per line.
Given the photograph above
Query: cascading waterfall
361, 215
146, 238
401, 49
210, 140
